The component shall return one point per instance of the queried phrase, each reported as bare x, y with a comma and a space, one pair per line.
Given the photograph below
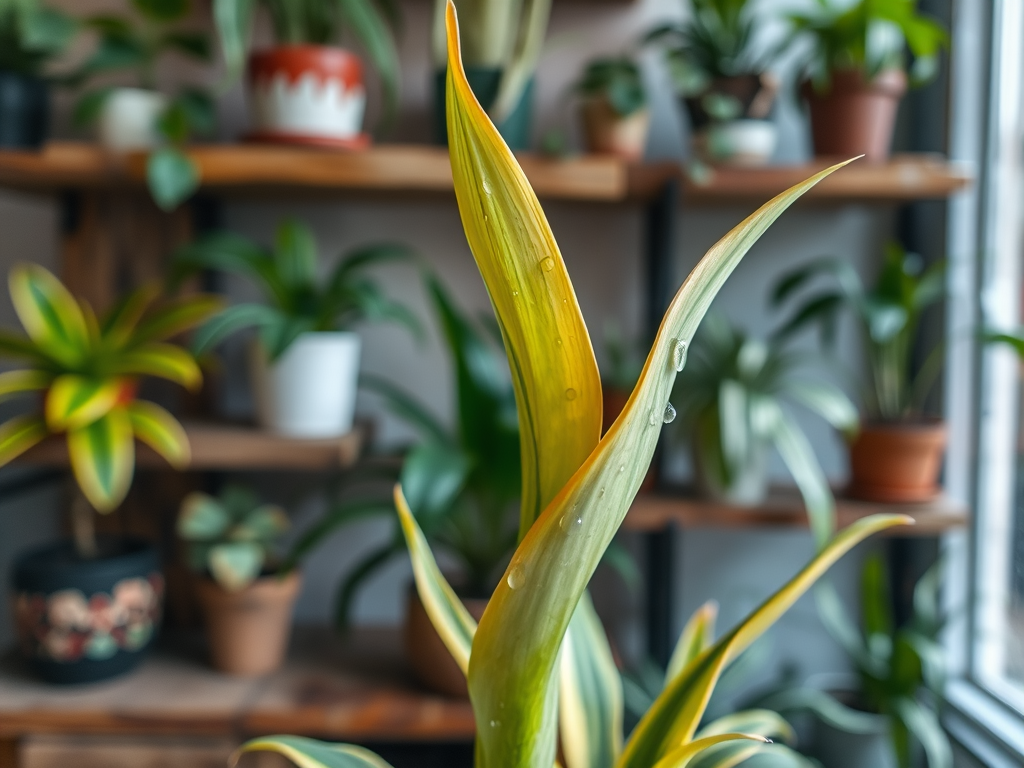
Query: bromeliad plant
297, 302
88, 372
231, 536
732, 399
539, 656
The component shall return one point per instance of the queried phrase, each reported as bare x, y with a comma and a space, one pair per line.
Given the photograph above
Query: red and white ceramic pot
307, 94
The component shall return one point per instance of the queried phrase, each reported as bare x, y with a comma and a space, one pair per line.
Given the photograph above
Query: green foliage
32, 35
731, 399
88, 371
617, 81
889, 314
870, 35
297, 301
232, 536
624, 360
316, 22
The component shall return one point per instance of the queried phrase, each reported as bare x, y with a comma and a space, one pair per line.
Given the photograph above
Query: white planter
737, 142
310, 391
127, 120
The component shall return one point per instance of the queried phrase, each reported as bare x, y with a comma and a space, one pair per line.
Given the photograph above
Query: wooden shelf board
783, 509
227, 447
356, 689
252, 169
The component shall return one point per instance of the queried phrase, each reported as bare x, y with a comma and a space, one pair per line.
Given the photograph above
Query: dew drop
486, 185
679, 354
516, 577
569, 521
547, 264
622, 468
670, 413
600, 494
515, 293
653, 419
558, 342
570, 394
495, 723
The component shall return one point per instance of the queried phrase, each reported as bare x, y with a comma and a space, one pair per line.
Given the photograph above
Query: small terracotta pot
307, 94
856, 116
897, 462
613, 401
433, 666
248, 630
609, 133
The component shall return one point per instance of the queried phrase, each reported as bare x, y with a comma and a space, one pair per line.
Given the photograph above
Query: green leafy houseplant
614, 107
900, 669
135, 45
538, 655
732, 399
617, 81
88, 370
31, 35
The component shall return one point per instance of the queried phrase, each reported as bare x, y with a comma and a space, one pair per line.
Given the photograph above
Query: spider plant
88, 371
732, 399
539, 655
889, 314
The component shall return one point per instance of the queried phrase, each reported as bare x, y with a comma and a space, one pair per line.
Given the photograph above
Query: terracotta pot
613, 401
248, 630
609, 133
897, 462
855, 116
433, 666
307, 94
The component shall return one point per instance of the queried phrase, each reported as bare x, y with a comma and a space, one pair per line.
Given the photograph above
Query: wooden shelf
783, 509
228, 447
356, 689
251, 169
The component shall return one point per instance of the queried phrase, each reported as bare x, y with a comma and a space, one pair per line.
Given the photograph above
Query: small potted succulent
86, 609
31, 35
731, 398
246, 597
140, 118
305, 362
306, 89
856, 73
502, 42
719, 69
897, 453
614, 109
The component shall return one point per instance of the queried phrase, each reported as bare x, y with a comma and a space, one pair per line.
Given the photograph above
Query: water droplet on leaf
679, 354
653, 419
570, 394
516, 577
569, 521
547, 264
670, 413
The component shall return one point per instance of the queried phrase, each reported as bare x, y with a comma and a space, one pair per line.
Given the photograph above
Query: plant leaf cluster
732, 399
870, 35
32, 35
889, 314
232, 535
297, 301
577, 488
88, 368
617, 81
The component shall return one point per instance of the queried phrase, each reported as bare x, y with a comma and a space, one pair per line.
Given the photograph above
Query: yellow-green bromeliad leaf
555, 375
165, 361
684, 755
309, 753
50, 314
160, 431
76, 401
18, 382
103, 458
19, 434
696, 637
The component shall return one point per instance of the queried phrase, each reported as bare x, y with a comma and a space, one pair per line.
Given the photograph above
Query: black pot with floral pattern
81, 620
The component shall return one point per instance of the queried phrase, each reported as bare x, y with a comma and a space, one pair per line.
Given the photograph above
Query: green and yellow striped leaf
160, 431
697, 636
75, 401
310, 753
19, 434
50, 314
164, 361
176, 316
555, 375
673, 718
763, 722
16, 382
682, 756
103, 459
590, 695
119, 323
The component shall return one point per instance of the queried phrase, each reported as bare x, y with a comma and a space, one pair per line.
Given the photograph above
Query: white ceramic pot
127, 119
737, 142
310, 391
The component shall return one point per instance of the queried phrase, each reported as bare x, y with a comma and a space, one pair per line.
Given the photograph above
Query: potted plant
140, 118
889, 715
855, 75
719, 69
305, 89
897, 454
538, 663
502, 42
732, 399
614, 109
87, 609
246, 597
31, 35
304, 364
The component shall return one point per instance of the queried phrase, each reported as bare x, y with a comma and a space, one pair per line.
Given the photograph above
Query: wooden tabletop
357, 689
